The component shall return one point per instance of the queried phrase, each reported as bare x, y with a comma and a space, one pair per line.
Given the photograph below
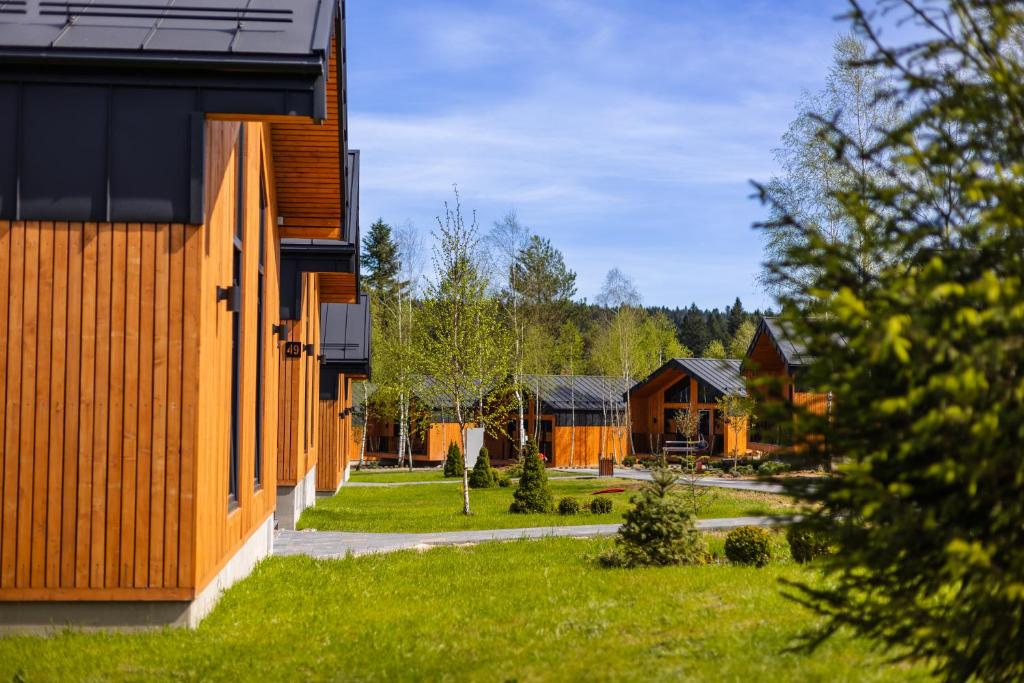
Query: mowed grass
525, 611
379, 475
416, 509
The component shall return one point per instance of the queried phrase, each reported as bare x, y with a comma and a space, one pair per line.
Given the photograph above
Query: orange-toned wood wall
591, 443
439, 436
307, 157
220, 531
300, 391
115, 398
648, 408
334, 448
96, 413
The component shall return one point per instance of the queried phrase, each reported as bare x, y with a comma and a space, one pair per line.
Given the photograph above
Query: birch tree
621, 297
506, 242
459, 325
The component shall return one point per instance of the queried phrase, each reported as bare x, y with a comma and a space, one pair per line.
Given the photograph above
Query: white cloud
585, 118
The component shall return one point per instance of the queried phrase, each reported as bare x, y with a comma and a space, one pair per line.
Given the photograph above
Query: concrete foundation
46, 617
292, 500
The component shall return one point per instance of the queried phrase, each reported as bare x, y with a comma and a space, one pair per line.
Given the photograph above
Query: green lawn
379, 475
525, 611
439, 508
394, 475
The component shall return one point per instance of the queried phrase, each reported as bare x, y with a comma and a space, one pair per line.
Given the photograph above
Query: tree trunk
465, 470
362, 439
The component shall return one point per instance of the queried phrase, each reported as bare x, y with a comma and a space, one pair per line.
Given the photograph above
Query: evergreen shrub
568, 506
658, 530
601, 505
532, 494
806, 544
483, 475
453, 463
748, 545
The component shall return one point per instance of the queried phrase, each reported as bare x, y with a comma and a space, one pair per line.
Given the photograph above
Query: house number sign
293, 349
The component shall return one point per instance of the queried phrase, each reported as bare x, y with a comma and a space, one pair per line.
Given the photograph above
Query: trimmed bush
658, 530
504, 482
514, 471
748, 545
601, 505
532, 494
483, 475
453, 463
629, 461
772, 467
806, 544
568, 506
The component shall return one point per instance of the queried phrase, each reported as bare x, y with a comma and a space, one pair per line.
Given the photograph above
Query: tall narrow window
260, 277
236, 321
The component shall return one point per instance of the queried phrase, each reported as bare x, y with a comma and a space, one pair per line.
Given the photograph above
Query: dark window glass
236, 324
679, 392
260, 277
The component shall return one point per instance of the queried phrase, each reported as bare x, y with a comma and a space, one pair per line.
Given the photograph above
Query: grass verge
421, 509
525, 610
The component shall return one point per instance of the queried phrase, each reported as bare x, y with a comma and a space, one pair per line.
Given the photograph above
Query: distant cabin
683, 385
776, 359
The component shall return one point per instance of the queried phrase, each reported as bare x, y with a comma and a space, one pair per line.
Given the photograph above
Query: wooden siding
439, 436
334, 438
338, 288
299, 392
220, 531
93, 410
591, 443
648, 406
308, 168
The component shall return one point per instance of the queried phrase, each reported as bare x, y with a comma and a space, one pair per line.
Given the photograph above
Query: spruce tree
735, 317
532, 494
482, 476
453, 463
380, 262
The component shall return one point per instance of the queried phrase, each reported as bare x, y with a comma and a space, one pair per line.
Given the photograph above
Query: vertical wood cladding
220, 531
334, 438
299, 393
115, 397
87, 311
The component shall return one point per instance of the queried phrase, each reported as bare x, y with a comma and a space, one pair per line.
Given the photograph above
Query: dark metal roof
300, 256
351, 231
723, 375
257, 32
587, 392
792, 349
345, 336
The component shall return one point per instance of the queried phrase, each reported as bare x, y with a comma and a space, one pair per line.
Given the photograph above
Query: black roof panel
238, 27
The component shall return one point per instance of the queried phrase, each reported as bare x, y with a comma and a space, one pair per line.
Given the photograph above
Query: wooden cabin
581, 419
576, 420
686, 384
156, 159
345, 358
773, 367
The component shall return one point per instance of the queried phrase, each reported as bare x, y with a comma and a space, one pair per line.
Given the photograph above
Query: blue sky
625, 131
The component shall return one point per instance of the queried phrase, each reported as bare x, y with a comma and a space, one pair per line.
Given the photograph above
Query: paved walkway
337, 544
720, 482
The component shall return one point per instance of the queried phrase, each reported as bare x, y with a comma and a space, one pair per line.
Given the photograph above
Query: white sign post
474, 442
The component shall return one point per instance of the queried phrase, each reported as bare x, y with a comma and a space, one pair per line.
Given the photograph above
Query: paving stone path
338, 544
